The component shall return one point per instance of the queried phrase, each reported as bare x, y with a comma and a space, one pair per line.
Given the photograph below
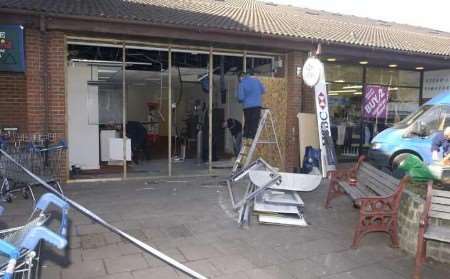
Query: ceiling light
333, 94
357, 93
352, 87
331, 59
342, 91
393, 66
393, 88
339, 81
363, 62
420, 68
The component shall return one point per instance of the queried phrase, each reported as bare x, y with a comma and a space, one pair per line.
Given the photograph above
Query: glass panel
260, 66
393, 77
343, 73
95, 111
345, 114
147, 111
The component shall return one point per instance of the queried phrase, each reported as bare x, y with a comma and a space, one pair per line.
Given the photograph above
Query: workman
249, 94
235, 128
441, 140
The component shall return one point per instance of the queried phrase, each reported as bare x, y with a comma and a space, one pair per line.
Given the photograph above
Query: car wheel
396, 172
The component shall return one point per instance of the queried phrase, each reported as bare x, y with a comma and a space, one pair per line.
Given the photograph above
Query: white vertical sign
314, 76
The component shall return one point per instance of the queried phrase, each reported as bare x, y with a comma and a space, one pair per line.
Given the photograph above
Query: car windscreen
413, 117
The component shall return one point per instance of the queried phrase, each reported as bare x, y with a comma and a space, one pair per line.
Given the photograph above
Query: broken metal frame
252, 190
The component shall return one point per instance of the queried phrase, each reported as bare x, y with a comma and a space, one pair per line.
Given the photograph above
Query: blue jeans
237, 142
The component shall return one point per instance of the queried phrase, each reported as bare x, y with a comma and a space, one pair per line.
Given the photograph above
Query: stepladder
265, 135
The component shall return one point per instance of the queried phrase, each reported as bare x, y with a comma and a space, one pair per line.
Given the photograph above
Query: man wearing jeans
235, 128
249, 94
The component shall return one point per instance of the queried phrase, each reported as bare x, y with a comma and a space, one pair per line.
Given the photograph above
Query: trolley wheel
25, 194
8, 199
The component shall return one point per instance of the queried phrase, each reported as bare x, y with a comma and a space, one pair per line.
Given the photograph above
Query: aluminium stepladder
266, 127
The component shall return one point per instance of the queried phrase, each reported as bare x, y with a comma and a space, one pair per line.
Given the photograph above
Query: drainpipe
44, 46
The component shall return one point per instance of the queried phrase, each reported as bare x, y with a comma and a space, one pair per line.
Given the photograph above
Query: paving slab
193, 223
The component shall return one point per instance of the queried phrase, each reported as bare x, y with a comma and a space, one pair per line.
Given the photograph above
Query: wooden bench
437, 206
377, 195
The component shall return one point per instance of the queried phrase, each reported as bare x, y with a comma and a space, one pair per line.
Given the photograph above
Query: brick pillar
36, 103
35, 74
34, 84
294, 105
56, 86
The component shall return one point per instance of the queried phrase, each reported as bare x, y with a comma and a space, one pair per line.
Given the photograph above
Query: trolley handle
49, 198
36, 234
13, 254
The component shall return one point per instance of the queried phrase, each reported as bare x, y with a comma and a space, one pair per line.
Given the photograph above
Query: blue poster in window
12, 58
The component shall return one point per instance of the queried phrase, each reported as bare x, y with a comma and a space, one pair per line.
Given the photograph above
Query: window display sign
375, 101
11, 48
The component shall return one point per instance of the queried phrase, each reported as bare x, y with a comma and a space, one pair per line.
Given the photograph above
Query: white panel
83, 138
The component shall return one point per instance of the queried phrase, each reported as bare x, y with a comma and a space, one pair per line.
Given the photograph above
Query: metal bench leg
420, 256
359, 233
333, 192
394, 232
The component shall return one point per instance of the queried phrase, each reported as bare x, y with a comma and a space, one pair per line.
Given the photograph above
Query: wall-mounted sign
12, 58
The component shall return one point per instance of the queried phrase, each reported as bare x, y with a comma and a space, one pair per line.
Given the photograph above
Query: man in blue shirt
249, 94
441, 140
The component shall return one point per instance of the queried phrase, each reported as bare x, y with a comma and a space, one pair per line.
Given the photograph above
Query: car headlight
376, 145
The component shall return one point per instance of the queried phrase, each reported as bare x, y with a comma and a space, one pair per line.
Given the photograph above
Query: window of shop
352, 129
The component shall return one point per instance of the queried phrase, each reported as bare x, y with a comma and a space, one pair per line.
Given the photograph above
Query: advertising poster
375, 102
12, 57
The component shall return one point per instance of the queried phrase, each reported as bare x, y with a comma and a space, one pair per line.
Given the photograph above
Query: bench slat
440, 207
381, 179
438, 233
439, 215
440, 193
378, 188
381, 183
355, 192
440, 200
387, 177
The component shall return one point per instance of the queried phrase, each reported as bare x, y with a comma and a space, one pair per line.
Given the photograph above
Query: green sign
12, 58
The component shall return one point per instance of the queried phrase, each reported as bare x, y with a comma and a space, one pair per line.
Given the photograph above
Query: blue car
413, 135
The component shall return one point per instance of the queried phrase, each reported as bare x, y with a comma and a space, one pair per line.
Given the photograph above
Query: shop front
364, 100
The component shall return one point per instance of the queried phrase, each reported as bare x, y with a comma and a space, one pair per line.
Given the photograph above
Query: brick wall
411, 208
294, 105
12, 101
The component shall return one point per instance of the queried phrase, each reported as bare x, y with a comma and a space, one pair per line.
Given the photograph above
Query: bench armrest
424, 217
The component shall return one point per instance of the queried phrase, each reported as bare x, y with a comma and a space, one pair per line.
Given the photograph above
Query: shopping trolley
44, 160
20, 246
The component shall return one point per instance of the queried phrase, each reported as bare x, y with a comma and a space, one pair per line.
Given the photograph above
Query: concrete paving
191, 220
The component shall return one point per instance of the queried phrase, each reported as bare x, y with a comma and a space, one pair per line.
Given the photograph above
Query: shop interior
164, 102
347, 83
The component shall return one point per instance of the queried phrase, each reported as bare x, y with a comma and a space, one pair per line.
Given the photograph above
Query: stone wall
411, 208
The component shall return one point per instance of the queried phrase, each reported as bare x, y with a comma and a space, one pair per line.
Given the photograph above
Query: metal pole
124, 115
421, 88
170, 113
112, 228
244, 66
210, 107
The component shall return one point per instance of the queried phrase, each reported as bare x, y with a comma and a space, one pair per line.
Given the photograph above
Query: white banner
314, 76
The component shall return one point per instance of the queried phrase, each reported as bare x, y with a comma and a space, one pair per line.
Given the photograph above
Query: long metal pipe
169, 134
210, 108
144, 246
124, 107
